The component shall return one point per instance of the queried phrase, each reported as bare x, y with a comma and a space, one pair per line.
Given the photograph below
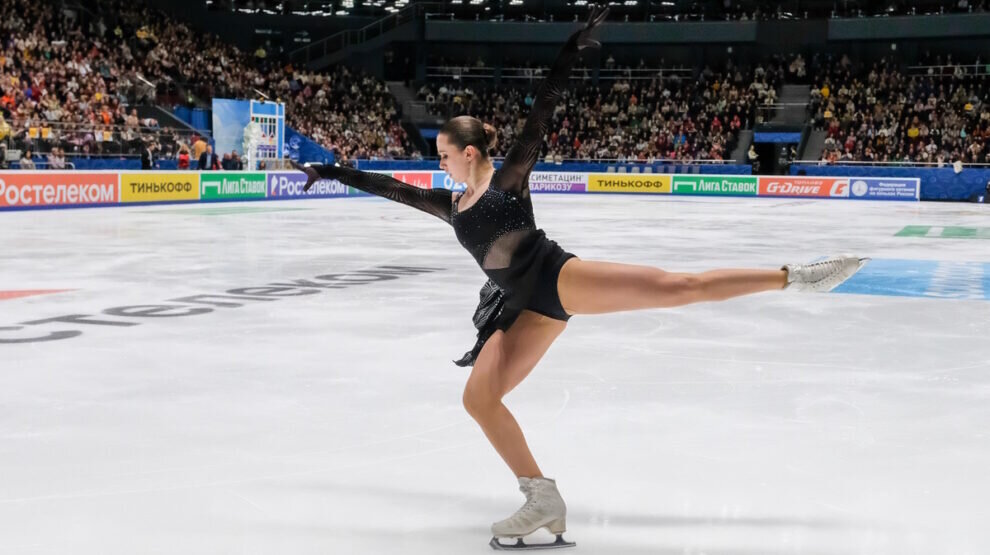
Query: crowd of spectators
662, 118
880, 113
69, 81
61, 90
344, 110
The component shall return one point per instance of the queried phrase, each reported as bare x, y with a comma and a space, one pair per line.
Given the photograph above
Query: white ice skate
544, 508
822, 276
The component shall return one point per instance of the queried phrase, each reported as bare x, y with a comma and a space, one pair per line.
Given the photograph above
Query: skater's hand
312, 175
583, 37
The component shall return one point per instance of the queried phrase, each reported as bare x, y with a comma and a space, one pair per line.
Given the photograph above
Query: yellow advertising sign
628, 183
157, 187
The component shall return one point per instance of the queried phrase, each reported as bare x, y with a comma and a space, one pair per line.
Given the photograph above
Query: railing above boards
950, 70
887, 164
464, 72
573, 160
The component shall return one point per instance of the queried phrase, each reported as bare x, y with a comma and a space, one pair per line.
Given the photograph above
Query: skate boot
822, 276
544, 508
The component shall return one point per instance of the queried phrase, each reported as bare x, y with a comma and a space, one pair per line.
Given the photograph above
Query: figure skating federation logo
860, 188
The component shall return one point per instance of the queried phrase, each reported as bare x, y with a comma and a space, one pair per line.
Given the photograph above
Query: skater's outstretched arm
519, 161
436, 202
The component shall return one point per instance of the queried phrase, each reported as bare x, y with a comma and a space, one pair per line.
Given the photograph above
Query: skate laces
526, 511
823, 270
529, 490
829, 265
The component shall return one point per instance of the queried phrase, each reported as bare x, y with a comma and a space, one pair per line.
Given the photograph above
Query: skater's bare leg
588, 287
505, 360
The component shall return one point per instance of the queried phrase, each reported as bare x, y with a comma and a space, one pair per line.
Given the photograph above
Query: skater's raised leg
588, 287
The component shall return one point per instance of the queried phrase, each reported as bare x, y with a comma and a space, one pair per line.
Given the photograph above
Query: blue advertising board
285, 185
444, 181
885, 188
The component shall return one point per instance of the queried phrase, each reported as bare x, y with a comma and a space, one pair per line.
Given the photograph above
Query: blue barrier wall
82, 164
299, 147
184, 113
198, 118
201, 119
936, 183
585, 167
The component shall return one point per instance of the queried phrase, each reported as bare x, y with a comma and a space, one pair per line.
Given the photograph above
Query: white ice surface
332, 423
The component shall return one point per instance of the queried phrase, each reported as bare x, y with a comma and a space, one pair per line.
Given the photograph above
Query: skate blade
520, 545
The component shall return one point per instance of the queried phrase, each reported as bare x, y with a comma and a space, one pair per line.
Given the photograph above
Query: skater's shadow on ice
487, 507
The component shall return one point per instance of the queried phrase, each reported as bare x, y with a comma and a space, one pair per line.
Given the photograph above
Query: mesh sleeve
436, 202
513, 176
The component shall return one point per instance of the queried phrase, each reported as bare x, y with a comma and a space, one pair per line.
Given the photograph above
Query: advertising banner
628, 183
885, 188
444, 181
284, 185
557, 182
159, 187
22, 189
802, 186
714, 185
422, 180
223, 186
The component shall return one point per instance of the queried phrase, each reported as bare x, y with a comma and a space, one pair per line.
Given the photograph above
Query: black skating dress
499, 230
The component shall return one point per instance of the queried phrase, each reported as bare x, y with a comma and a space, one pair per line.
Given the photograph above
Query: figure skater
534, 286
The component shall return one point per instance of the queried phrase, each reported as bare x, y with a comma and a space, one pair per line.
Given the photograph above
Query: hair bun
491, 136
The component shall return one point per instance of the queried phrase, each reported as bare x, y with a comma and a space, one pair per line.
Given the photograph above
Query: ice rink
323, 416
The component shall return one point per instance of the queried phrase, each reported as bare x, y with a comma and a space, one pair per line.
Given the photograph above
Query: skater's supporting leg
588, 287
505, 360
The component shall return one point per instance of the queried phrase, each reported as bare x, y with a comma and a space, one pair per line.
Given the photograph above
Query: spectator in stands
754, 158
4, 128
198, 148
27, 161
56, 159
183, 158
147, 157
208, 160
236, 163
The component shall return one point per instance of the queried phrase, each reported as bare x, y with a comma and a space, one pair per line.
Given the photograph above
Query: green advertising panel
714, 185
945, 232
224, 186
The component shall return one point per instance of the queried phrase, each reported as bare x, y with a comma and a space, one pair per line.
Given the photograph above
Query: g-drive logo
290, 184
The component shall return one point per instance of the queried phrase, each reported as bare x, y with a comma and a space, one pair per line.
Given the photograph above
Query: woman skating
535, 286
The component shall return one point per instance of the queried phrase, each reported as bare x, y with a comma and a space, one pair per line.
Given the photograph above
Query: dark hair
464, 131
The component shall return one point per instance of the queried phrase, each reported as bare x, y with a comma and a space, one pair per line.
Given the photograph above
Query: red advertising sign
802, 186
423, 180
22, 189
